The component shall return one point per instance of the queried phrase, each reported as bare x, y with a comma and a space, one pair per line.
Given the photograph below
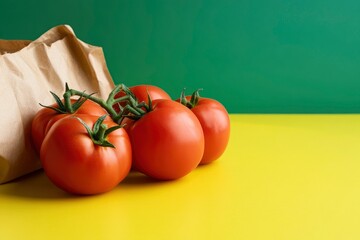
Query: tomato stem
108, 104
133, 109
67, 102
66, 106
99, 101
99, 132
193, 100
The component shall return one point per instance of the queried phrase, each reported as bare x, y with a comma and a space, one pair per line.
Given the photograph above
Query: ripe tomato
215, 123
46, 117
141, 93
74, 163
167, 142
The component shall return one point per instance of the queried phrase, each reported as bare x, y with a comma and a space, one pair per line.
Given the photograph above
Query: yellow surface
282, 177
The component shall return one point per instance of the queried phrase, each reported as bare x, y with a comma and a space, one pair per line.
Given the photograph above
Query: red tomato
167, 142
127, 123
141, 92
46, 117
215, 123
75, 164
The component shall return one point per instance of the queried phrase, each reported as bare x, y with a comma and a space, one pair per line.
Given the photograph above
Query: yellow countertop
291, 177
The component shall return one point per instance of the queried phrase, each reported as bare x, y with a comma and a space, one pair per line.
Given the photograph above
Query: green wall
265, 56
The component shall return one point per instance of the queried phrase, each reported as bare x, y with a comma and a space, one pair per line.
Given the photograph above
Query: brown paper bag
28, 71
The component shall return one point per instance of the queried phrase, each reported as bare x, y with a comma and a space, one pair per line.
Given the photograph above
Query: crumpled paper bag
28, 71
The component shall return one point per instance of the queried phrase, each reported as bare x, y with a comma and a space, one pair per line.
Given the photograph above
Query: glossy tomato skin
215, 123
46, 117
75, 164
167, 142
141, 93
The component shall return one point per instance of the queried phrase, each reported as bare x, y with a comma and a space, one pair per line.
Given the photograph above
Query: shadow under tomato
138, 178
34, 185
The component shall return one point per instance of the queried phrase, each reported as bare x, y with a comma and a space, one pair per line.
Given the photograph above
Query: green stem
195, 97
99, 132
113, 93
132, 106
67, 102
99, 101
193, 100
100, 135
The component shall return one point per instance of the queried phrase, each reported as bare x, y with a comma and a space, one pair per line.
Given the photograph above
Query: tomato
215, 123
74, 163
46, 117
141, 93
167, 142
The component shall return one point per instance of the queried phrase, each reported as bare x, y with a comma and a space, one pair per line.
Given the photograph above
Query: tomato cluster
88, 145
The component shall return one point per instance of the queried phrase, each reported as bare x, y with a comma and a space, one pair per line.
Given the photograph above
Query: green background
265, 56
